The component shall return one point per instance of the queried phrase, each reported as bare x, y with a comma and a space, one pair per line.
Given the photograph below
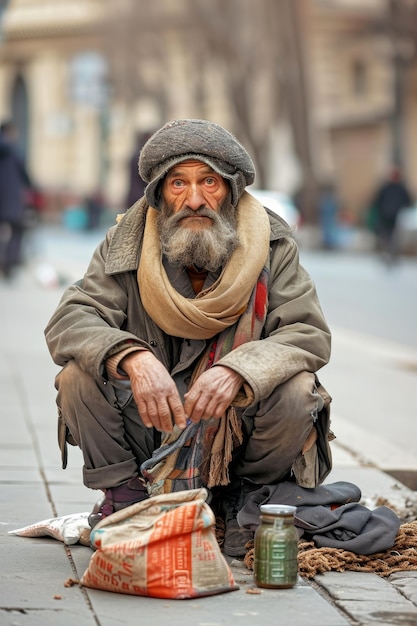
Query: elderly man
196, 325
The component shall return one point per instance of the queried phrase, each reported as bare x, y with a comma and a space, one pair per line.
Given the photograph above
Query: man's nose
195, 198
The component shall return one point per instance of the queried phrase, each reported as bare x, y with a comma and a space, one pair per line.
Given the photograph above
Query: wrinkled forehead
190, 165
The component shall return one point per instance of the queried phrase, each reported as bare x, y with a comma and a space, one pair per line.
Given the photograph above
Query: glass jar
276, 547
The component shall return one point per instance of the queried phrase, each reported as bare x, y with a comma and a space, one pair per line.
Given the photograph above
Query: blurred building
80, 78
41, 87
362, 68
76, 135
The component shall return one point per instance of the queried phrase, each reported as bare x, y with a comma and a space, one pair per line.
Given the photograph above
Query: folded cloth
351, 527
289, 493
330, 515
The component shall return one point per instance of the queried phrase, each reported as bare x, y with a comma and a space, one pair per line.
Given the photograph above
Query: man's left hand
212, 393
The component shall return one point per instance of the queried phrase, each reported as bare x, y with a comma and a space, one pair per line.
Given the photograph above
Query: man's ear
158, 193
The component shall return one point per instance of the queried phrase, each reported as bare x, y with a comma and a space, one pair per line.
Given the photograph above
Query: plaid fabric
175, 465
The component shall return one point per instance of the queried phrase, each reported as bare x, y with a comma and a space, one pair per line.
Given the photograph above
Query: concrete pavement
34, 487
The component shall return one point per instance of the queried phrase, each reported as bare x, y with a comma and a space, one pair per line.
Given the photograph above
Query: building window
359, 78
20, 108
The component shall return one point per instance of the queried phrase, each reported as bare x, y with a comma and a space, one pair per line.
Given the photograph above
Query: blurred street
371, 310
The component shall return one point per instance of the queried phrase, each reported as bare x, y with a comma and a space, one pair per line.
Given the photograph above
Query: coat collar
126, 240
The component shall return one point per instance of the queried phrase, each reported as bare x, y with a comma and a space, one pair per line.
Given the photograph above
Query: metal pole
398, 85
3, 7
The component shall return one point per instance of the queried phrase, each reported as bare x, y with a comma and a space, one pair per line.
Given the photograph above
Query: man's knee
76, 391
66, 384
278, 429
298, 389
295, 400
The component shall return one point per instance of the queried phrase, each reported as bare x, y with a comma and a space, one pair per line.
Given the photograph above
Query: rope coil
312, 560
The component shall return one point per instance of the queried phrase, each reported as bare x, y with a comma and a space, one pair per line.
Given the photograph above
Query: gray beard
206, 249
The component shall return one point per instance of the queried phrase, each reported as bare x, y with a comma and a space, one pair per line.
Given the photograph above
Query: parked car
281, 204
407, 230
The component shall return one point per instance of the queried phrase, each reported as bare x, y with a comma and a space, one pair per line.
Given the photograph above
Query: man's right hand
154, 391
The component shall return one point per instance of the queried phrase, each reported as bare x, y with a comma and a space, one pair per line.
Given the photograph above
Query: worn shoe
118, 498
235, 537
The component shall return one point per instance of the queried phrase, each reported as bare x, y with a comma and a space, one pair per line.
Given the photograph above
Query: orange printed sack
164, 547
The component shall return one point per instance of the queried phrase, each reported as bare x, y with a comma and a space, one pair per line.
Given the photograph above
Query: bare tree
240, 38
397, 24
402, 32
253, 49
133, 36
259, 47
296, 99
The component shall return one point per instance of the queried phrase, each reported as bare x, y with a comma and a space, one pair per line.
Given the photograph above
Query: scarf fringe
221, 455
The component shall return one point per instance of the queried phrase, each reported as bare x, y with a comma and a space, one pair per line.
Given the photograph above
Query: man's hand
154, 391
212, 393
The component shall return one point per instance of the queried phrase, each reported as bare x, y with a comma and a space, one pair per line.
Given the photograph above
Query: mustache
186, 212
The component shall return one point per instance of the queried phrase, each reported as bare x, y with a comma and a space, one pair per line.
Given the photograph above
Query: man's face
197, 222
194, 185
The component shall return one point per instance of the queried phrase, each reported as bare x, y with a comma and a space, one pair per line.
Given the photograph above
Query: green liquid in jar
276, 547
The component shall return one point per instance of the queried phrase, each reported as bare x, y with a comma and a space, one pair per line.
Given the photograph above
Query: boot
235, 537
117, 498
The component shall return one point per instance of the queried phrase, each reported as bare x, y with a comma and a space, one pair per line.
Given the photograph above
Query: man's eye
210, 181
177, 183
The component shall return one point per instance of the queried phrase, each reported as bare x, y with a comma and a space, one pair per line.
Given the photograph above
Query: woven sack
163, 547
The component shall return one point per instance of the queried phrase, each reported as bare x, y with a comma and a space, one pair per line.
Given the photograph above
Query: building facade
77, 129
361, 122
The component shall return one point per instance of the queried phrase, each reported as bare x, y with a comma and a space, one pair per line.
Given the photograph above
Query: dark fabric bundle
330, 515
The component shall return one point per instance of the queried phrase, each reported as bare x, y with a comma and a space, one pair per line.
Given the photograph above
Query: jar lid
278, 509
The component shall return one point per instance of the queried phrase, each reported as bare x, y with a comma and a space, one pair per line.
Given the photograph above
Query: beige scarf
219, 306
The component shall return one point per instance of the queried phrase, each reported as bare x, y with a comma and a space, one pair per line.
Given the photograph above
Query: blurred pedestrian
391, 198
14, 182
328, 206
136, 186
94, 204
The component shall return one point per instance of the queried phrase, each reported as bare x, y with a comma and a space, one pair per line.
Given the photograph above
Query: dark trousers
11, 236
104, 422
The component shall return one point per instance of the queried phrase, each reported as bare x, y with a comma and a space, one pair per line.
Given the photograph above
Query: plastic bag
68, 528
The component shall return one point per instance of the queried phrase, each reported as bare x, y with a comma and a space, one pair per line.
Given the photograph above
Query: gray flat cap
181, 140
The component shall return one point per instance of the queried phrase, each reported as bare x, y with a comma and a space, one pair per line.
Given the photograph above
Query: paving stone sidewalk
34, 487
